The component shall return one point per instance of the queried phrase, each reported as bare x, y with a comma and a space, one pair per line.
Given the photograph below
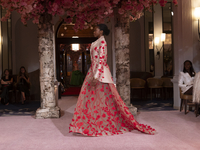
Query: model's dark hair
104, 28
192, 72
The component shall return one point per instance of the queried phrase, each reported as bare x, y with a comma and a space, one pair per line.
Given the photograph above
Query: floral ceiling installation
83, 13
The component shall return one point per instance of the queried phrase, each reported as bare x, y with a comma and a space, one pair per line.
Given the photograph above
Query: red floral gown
100, 110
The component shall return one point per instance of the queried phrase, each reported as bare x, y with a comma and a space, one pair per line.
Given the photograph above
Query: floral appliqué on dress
100, 110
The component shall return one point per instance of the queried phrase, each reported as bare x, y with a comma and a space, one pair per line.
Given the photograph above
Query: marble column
49, 108
122, 54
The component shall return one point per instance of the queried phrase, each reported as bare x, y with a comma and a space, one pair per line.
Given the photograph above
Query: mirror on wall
149, 46
167, 45
5, 43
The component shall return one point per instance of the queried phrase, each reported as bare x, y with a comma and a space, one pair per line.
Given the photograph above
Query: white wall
186, 45
196, 44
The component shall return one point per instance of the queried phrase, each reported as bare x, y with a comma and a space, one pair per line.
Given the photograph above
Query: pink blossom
162, 2
79, 11
121, 11
175, 2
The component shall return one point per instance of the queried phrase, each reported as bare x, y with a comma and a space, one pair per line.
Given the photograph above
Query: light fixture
65, 28
163, 37
157, 40
75, 47
75, 37
62, 34
197, 15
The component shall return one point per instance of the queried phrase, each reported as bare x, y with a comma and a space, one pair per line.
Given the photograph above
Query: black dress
5, 89
23, 86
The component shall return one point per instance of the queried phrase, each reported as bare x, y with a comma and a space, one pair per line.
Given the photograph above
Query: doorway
72, 47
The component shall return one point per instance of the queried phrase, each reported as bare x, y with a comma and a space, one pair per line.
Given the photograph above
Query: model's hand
189, 85
94, 82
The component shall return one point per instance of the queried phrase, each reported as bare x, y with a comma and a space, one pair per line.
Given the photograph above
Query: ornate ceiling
67, 31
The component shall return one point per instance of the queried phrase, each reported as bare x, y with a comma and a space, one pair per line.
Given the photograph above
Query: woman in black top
6, 82
23, 83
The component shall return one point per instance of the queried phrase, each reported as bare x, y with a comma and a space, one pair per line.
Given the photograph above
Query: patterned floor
153, 105
28, 108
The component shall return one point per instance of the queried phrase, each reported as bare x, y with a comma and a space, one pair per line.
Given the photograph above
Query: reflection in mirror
167, 45
149, 46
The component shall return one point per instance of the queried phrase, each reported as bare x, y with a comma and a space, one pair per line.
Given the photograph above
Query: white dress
196, 88
185, 81
99, 66
100, 110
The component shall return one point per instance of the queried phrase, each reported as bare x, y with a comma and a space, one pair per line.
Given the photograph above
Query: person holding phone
23, 83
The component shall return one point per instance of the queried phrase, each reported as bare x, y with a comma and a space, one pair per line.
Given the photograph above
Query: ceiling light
75, 47
75, 37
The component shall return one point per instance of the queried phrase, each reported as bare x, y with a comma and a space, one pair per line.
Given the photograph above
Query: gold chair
155, 83
187, 101
137, 84
167, 85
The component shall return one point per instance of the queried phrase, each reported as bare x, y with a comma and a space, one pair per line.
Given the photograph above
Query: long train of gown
100, 111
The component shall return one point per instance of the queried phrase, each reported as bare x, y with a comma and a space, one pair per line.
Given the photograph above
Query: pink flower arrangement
81, 12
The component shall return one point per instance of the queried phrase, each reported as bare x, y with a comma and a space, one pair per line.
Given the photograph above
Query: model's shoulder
102, 40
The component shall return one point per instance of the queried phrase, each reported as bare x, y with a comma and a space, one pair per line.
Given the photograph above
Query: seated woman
186, 78
6, 82
23, 83
77, 76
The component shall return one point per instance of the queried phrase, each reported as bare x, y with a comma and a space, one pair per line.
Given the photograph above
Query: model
100, 110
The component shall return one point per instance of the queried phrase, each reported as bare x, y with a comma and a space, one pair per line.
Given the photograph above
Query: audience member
186, 78
23, 83
6, 82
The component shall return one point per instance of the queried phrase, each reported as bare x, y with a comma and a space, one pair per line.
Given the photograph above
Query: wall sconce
157, 40
197, 15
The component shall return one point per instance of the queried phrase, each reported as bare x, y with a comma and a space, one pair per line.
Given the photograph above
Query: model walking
100, 110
